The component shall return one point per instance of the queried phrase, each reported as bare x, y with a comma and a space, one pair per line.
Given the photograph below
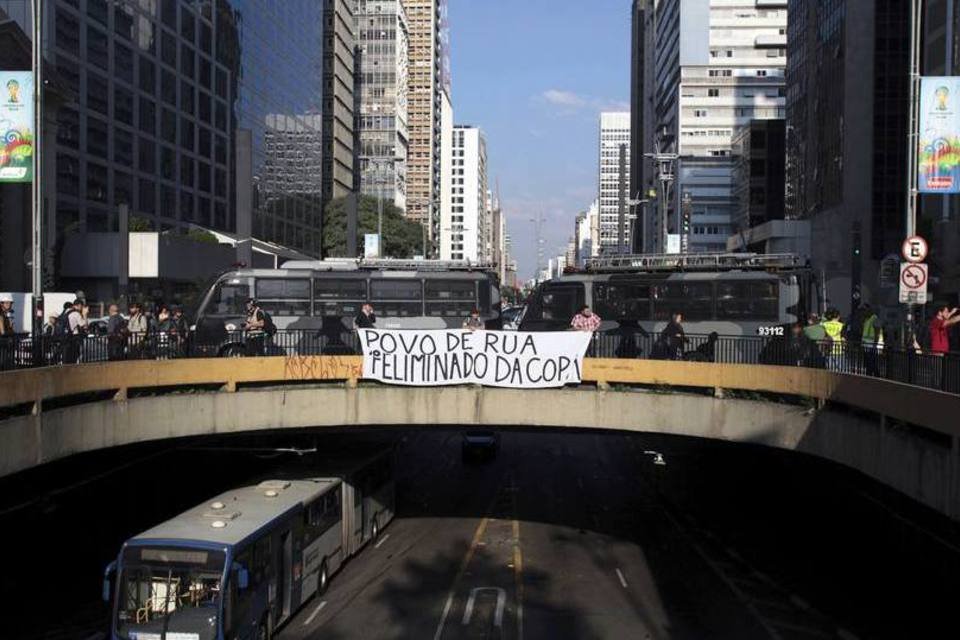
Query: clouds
568, 103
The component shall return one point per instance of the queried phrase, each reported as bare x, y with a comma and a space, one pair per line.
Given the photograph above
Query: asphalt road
565, 535
559, 537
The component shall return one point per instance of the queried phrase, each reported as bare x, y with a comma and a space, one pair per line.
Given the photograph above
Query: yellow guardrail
916, 405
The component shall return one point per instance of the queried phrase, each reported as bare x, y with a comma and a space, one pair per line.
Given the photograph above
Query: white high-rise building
464, 220
381, 28
718, 65
614, 134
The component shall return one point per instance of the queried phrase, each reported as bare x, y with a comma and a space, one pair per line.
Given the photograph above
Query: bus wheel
324, 578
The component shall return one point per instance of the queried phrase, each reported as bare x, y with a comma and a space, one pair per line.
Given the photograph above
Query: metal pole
37, 199
913, 140
913, 133
379, 211
622, 201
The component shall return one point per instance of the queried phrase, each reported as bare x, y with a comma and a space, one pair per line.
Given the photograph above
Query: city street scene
479, 319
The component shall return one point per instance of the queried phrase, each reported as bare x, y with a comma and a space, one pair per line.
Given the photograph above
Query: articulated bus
241, 564
730, 294
326, 296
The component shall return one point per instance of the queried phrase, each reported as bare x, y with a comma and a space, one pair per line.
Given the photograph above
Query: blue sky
534, 75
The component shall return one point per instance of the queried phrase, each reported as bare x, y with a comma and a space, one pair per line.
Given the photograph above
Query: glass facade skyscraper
160, 88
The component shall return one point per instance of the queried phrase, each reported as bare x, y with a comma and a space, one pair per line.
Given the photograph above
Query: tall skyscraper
429, 78
637, 112
846, 133
718, 65
155, 94
614, 134
464, 236
339, 44
381, 29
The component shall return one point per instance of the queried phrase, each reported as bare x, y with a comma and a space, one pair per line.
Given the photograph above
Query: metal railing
923, 369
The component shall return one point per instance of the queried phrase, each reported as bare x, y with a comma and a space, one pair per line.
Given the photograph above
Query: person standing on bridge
474, 323
673, 337
587, 320
940, 328
255, 328
833, 326
366, 319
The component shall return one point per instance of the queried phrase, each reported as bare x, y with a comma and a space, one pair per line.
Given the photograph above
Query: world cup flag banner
16, 125
939, 152
492, 358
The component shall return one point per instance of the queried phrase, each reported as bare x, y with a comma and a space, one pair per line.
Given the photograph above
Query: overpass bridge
905, 436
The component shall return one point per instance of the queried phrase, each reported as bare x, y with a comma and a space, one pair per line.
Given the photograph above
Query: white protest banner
515, 359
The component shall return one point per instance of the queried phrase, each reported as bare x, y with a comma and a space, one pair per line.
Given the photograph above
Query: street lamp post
36, 8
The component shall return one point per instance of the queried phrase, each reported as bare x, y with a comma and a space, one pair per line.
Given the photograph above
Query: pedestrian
871, 340
136, 330
116, 337
254, 328
940, 326
673, 338
474, 323
833, 327
8, 341
366, 319
75, 325
181, 330
585, 320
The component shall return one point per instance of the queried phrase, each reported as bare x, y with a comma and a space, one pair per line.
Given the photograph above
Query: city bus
322, 298
727, 294
241, 564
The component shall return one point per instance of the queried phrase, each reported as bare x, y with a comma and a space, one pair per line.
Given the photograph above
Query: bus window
693, 299
397, 298
284, 296
338, 297
450, 298
622, 300
561, 302
229, 299
740, 300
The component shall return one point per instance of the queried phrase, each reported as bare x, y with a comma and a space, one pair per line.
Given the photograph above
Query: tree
402, 238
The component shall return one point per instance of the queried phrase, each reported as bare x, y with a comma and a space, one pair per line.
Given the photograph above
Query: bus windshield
169, 591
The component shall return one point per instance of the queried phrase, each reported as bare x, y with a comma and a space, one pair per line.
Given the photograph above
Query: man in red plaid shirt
585, 320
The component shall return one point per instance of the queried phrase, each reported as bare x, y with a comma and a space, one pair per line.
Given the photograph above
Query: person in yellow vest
872, 337
834, 328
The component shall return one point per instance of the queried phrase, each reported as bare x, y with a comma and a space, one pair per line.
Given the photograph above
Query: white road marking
498, 613
382, 540
314, 614
623, 580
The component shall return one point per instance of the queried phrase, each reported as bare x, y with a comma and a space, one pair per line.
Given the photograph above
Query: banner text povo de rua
492, 358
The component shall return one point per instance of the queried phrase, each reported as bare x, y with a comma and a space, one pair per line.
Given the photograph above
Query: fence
927, 370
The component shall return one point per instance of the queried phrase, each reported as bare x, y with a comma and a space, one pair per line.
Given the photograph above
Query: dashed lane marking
314, 613
623, 580
382, 540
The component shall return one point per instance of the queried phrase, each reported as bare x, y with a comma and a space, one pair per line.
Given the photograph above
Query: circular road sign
915, 249
914, 277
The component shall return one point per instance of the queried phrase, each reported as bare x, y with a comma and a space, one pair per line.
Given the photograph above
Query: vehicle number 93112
770, 331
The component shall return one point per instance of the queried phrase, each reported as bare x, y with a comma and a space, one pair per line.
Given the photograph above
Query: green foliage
402, 238
201, 235
138, 224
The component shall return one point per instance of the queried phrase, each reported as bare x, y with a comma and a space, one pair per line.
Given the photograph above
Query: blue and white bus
240, 565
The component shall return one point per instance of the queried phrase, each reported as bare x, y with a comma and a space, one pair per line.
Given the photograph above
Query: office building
339, 45
158, 92
464, 235
381, 30
614, 145
846, 127
429, 79
718, 64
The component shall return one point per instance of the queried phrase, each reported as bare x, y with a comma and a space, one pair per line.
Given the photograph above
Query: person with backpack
257, 327
72, 327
